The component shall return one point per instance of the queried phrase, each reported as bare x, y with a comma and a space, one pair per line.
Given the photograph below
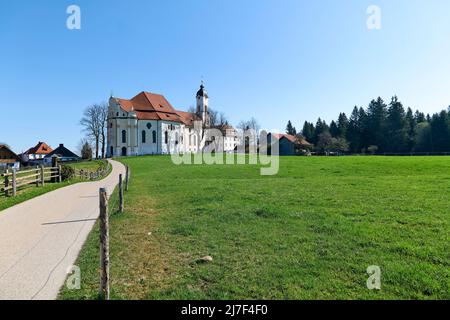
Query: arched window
124, 136
154, 136
166, 137
143, 136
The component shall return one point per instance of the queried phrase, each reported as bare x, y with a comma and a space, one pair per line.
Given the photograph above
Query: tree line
380, 128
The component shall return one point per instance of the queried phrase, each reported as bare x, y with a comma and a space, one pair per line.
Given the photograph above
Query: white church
148, 124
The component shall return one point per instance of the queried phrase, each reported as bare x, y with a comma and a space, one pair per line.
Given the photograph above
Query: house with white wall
37, 153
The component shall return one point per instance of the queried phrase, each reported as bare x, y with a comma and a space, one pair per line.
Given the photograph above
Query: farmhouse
289, 144
62, 154
145, 124
8, 159
37, 153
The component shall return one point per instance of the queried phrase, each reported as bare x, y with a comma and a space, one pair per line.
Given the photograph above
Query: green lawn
90, 166
29, 192
309, 232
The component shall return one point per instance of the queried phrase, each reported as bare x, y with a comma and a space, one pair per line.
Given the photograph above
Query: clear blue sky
275, 60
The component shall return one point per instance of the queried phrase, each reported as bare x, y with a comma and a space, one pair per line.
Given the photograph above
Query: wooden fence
13, 180
92, 175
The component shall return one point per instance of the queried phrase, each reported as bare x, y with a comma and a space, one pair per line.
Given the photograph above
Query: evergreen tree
321, 127
411, 126
363, 129
353, 132
419, 117
290, 129
86, 151
396, 126
440, 132
334, 130
308, 131
376, 123
423, 141
342, 125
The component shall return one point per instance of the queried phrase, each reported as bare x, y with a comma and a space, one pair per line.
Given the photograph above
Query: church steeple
202, 104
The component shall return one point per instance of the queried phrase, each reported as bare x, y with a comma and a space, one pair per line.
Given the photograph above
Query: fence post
54, 165
6, 182
42, 176
104, 245
120, 194
127, 177
59, 174
14, 183
37, 177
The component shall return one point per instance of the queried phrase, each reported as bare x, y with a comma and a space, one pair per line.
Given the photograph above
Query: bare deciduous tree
94, 123
249, 124
103, 118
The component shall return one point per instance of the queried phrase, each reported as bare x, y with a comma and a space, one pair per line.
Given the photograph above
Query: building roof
188, 118
151, 106
12, 157
40, 148
292, 139
62, 152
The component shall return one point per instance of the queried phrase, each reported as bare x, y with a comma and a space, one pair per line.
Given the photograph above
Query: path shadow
70, 221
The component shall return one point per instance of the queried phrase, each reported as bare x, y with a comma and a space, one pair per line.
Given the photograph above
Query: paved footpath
40, 239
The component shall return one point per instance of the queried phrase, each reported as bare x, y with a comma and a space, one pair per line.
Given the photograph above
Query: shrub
67, 172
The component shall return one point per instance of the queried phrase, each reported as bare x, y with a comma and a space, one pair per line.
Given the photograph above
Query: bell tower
202, 105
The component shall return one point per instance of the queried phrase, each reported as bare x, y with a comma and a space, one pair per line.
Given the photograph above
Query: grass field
90, 166
309, 232
31, 191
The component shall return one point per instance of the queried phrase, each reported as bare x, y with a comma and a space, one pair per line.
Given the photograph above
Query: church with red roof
149, 124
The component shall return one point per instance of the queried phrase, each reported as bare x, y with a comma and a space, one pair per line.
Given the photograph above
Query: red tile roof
151, 106
40, 148
188, 118
291, 138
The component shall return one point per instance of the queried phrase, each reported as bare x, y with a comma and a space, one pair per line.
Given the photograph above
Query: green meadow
309, 232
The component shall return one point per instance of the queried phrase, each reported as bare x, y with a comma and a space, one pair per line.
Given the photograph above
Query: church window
124, 136
166, 137
149, 125
154, 136
144, 136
